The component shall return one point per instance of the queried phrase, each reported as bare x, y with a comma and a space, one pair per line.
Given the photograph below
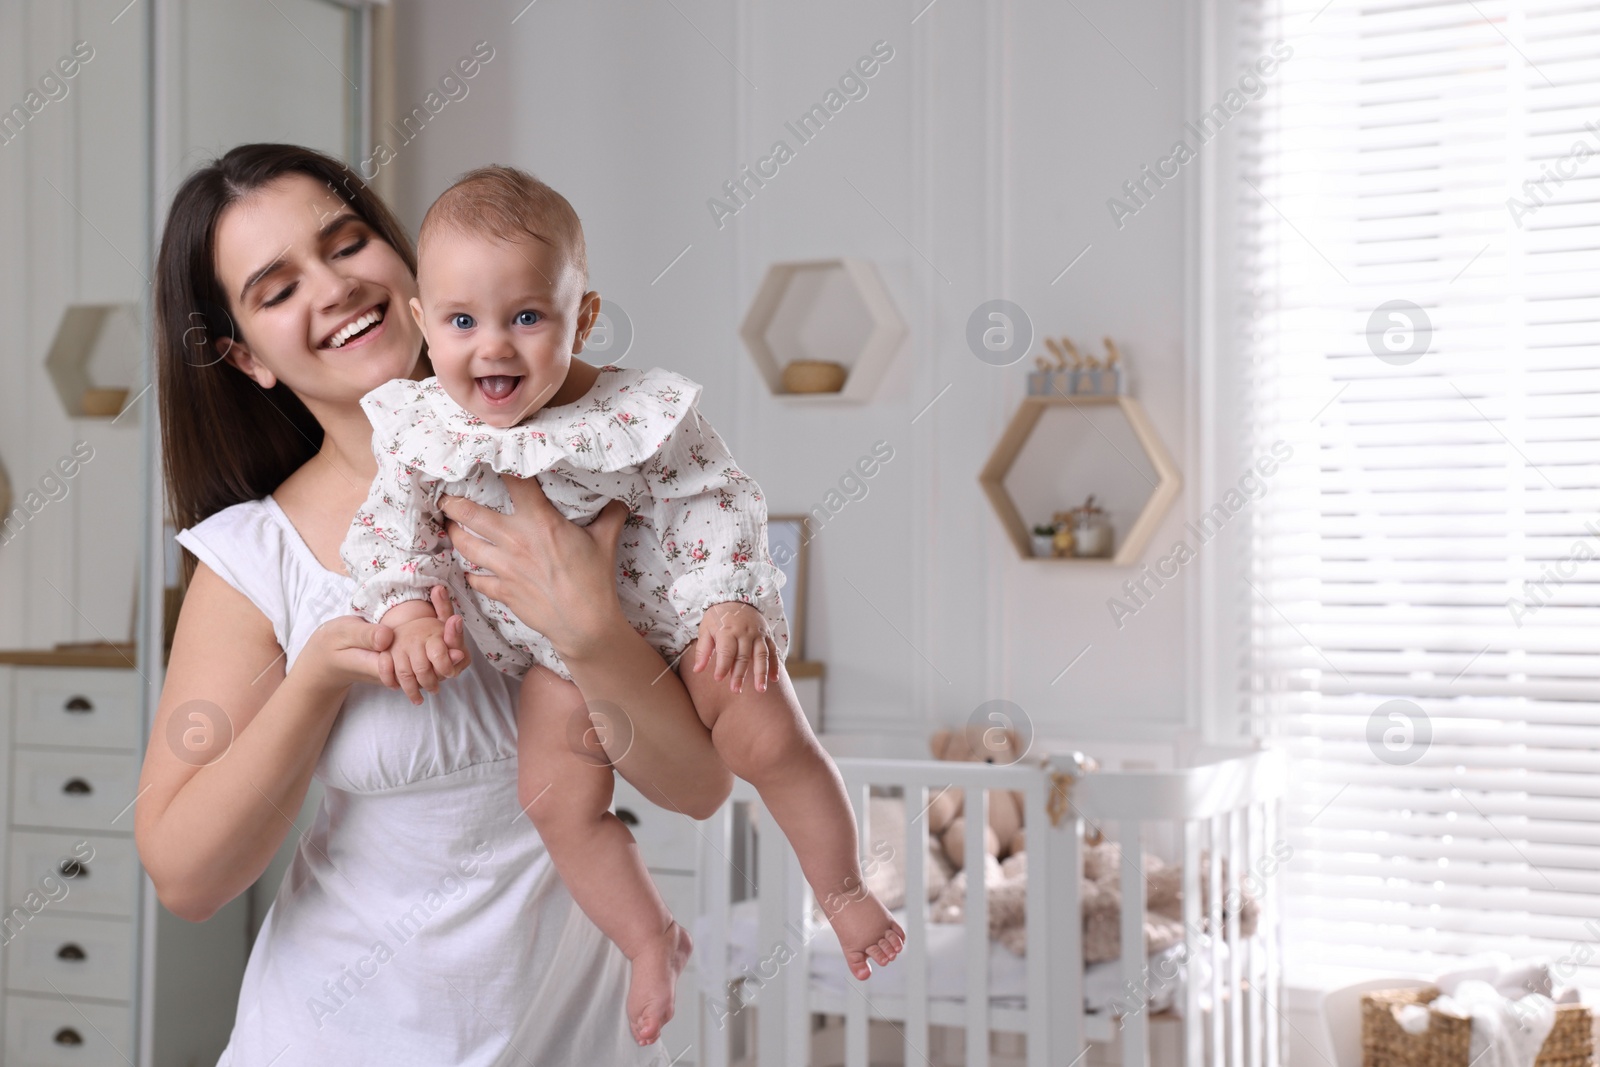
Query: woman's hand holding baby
736, 634
348, 649
545, 569
427, 643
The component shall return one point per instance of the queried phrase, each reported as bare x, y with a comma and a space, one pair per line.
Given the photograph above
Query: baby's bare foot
865, 929
652, 986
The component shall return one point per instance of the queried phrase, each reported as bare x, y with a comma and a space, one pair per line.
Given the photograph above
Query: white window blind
1423, 604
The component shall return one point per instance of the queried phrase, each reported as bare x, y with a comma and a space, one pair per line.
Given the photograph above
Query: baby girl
502, 275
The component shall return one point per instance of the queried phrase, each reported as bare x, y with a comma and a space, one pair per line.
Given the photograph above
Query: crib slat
1040, 846
711, 961
772, 888
1235, 947
1193, 1049
1271, 936
797, 992
1218, 945
1135, 1026
855, 1012
1253, 849
976, 812
1064, 860
914, 958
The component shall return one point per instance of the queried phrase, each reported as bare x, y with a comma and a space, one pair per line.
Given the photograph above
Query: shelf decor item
1074, 374
85, 331
103, 403
1091, 530
1076, 382
1064, 540
814, 376
1044, 540
823, 329
789, 545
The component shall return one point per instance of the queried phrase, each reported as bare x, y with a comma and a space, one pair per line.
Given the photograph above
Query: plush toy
1006, 886
1005, 865
1003, 835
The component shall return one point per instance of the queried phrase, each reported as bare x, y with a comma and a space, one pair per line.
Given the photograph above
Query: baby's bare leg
764, 738
564, 785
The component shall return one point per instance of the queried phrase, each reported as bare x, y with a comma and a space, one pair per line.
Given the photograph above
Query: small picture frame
788, 538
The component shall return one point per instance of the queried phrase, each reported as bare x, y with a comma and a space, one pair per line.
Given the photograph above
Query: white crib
1226, 1012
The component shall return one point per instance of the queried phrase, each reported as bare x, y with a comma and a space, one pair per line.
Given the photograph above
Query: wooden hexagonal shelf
826, 309
87, 333
1168, 481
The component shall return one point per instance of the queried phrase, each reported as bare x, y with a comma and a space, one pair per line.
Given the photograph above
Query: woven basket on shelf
1445, 1043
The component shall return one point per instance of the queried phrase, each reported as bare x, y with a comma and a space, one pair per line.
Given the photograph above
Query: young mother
421, 921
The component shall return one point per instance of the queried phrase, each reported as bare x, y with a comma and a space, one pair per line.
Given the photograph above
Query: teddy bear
1003, 836
1005, 865
1006, 888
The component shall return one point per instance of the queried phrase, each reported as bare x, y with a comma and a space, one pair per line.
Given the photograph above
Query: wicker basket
1445, 1043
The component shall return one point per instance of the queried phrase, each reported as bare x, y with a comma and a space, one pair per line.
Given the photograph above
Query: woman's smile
358, 328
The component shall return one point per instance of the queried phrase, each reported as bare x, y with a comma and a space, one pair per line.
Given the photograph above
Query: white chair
1341, 1015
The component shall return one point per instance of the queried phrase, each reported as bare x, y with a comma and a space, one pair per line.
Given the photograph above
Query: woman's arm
220, 789
558, 578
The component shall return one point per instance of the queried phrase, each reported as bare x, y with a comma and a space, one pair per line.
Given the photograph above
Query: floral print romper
696, 533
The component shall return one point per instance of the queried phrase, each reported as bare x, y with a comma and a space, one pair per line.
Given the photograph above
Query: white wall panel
977, 166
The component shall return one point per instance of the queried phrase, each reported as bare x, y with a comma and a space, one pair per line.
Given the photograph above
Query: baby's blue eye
527, 318
462, 321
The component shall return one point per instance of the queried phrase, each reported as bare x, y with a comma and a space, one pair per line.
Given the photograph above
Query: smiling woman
300, 275
274, 437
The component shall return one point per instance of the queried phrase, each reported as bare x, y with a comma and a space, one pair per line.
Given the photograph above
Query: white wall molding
1200, 357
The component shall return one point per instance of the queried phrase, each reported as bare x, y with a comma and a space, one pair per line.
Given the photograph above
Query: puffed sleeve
712, 521
396, 548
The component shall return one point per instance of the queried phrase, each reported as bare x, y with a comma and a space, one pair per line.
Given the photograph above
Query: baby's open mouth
497, 387
357, 327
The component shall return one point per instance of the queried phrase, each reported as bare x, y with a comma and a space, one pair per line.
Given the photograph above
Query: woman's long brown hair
224, 439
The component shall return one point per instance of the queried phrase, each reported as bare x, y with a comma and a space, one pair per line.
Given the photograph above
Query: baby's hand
421, 656
737, 634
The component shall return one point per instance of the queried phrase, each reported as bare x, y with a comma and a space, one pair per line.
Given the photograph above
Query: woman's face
319, 299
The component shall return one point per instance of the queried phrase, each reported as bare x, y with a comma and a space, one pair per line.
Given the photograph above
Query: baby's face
503, 320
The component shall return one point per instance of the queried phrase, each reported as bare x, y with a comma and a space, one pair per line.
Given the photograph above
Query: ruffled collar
622, 421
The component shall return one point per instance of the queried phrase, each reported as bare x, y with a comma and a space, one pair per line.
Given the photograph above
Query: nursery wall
977, 164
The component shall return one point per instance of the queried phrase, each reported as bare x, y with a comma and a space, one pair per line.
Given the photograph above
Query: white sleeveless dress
421, 921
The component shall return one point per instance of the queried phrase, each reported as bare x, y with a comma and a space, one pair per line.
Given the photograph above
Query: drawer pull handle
70, 951
627, 817
73, 869
77, 785
79, 704
68, 1036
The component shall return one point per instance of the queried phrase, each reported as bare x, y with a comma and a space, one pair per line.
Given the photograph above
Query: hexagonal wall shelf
102, 336
1132, 544
836, 310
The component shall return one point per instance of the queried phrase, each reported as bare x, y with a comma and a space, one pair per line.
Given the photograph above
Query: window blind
1418, 317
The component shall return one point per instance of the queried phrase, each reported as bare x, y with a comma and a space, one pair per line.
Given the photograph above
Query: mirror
105, 107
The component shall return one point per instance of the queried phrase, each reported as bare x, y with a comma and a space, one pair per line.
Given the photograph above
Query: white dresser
68, 937
73, 968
